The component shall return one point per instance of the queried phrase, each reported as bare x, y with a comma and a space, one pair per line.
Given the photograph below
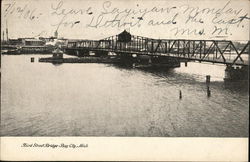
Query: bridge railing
217, 51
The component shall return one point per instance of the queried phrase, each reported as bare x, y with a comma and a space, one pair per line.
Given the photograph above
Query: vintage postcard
131, 80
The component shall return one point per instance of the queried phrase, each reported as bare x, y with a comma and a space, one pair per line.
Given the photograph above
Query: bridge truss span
215, 51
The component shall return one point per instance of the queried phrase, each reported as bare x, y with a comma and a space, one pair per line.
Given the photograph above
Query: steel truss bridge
214, 51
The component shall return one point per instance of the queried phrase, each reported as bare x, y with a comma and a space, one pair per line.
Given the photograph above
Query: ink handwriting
178, 19
21, 11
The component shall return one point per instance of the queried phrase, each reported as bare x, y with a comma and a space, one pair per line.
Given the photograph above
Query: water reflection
237, 86
178, 77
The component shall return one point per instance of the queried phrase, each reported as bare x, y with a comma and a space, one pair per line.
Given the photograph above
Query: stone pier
236, 73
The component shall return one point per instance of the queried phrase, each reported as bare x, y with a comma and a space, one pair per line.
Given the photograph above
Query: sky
98, 19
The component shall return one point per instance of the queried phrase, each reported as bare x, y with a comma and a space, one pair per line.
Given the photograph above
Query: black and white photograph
124, 68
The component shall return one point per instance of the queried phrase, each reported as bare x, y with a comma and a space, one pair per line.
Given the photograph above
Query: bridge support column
144, 59
77, 52
238, 73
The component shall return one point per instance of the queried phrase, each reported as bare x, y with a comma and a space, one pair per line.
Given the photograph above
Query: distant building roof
77, 40
33, 40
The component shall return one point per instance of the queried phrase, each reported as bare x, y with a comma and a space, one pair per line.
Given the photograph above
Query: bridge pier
163, 61
101, 53
149, 61
127, 58
238, 73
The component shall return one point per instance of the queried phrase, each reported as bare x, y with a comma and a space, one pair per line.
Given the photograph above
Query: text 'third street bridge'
214, 51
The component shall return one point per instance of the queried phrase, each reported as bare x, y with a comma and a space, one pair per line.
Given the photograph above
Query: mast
3, 36
7, 37
56, 34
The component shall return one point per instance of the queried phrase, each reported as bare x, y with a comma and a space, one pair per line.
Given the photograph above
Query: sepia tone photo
121, 68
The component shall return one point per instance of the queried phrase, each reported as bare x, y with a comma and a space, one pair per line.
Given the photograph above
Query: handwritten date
21, 11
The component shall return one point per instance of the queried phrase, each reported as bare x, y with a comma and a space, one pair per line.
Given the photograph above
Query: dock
107, 60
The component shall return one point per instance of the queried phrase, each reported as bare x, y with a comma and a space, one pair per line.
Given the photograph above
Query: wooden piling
180, 95
208, 85
208, 92
208, 79
32, 59
186, 64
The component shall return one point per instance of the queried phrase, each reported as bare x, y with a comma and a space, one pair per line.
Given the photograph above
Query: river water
42, 99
